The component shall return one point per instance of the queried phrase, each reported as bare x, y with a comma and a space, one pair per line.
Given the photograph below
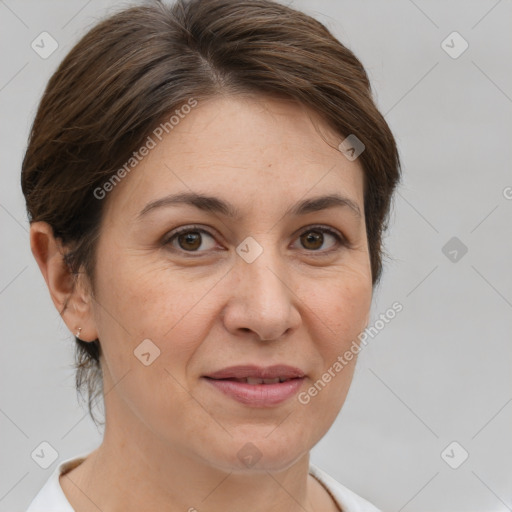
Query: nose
261, 300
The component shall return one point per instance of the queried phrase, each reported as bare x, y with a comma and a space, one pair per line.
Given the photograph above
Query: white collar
51, 497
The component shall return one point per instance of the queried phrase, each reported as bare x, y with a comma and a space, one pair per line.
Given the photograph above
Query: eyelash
340, 239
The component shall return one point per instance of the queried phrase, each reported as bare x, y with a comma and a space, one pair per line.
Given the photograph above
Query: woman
207, 185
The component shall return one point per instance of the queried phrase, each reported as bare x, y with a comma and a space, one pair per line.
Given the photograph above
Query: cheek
342, 312
139, 303
339, 313
146, 312
342, 307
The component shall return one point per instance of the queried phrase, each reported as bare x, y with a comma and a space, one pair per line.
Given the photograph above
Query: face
248, 278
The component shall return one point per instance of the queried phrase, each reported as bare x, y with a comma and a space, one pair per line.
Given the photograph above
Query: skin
171, 440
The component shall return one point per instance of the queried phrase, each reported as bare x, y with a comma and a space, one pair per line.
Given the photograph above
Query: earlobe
68, 296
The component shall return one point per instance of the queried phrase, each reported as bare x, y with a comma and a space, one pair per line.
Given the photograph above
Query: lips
255, 386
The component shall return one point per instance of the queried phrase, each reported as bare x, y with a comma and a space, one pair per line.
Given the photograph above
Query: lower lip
258, 395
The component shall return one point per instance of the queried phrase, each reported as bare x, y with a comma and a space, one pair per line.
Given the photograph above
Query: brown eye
315, 237
312, 240
190, 239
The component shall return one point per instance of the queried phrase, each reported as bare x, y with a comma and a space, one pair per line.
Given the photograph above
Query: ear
70, 293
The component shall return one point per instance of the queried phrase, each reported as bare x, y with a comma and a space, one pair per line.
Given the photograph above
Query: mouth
257, 387
255, 381
258, 374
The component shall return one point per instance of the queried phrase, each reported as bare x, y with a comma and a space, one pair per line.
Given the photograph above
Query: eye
314, 237
190, 239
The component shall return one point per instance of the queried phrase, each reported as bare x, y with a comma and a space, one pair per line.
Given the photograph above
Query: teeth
253, 380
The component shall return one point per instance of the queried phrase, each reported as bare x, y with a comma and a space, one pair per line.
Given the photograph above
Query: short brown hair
135, 67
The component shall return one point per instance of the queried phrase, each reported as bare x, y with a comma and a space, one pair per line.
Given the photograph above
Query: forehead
249, 150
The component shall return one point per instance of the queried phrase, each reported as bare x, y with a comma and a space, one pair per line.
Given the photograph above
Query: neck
134, 470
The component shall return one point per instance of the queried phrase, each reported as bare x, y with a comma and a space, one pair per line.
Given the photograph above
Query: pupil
314, 238
192, 239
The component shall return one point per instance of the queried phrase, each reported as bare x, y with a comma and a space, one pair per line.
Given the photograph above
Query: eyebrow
215, 205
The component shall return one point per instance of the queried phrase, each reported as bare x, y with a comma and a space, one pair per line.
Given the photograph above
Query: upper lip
257, 372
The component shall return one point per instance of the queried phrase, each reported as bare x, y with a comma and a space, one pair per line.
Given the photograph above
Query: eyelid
185, 229
340, 238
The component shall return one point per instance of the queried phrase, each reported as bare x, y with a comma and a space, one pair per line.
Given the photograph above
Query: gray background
439, 372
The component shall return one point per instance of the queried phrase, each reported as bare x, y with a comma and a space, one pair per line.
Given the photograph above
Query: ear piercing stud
77, 334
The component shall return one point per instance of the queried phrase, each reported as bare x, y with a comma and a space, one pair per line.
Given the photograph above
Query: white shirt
51, 498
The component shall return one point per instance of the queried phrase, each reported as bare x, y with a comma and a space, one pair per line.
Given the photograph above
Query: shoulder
346, 499
50, 497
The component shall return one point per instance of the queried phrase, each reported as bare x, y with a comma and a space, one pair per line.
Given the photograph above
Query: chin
260, 450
